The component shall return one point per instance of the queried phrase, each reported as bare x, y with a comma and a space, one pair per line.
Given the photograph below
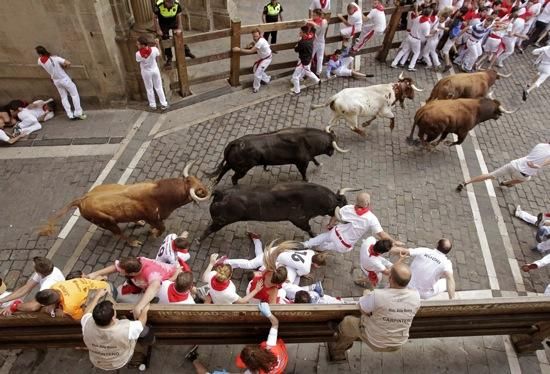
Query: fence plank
395, 20
207, 36
209, 58
235, 56
181, 64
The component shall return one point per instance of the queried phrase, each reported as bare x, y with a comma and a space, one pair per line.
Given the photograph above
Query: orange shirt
74, 293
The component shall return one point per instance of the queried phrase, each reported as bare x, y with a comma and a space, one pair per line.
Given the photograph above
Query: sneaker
393, 66
540, 217
294, 93
16, 130
500, 65
80, 117
524, 95
164, 107
517, 211
411, 69
254, 90
319, 288
192, 355
460, 187
152, 108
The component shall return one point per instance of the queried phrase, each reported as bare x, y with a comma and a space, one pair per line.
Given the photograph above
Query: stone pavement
412, 191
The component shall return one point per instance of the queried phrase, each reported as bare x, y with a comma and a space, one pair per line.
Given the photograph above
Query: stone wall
82, 31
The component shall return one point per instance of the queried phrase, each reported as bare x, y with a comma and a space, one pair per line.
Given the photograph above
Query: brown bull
465, 85
110, 204
444, 117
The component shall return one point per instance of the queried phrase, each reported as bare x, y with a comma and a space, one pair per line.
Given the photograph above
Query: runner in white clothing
537, 265
262, 48
542, 222
147, 56
320, 25
543, 67
420, 30
519, 170
174, 250
356, 220
353, 24
45, 275
373, 265
324, 5
432, 271
373, 24
55, 66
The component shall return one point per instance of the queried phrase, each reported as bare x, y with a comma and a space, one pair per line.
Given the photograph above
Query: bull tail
49, 228
218, 170
329, 102
411, 135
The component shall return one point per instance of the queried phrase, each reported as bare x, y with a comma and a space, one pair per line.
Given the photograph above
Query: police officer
272, 13
168, 17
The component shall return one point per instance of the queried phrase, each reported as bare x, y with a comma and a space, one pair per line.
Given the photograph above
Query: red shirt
151, 270
278, 350
263, 295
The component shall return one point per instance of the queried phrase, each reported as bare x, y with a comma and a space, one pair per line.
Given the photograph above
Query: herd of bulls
456, 105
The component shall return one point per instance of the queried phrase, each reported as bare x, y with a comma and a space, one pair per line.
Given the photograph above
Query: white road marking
158, 124
16, 153
513, 361
104, 173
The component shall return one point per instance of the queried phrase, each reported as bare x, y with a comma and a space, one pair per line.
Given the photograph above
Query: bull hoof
135, 243
448, 143
412, 141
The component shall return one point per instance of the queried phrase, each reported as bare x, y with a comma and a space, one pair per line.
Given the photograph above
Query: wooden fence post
183, 78
395, 20
235, 56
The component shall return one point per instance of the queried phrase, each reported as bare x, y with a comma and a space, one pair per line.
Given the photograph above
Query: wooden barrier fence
236, 31
526, 319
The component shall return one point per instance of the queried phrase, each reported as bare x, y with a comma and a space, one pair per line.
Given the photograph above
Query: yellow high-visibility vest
168, 12
273, 10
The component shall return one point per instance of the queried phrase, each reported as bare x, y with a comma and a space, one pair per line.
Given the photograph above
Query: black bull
296, 202
296, 146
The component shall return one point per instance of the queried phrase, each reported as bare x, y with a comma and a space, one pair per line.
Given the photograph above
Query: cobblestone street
412, 192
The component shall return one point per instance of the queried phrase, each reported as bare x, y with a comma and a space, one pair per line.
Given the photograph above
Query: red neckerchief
424, 19
217, 285
318, 21
525, 15
372, 252
174, 296
432, 19
360, 211
145, 52
323, 3
380, 7
44, 59
308, 36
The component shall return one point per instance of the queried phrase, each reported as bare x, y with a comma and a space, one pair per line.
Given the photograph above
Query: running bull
152, 202
444, 117
296, 146
296, 202
370, 102
465, 85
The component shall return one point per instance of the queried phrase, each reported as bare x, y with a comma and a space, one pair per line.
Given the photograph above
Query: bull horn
186, 169
337, 213
504, 75
400, 76
501, 108
342, 191
416, 88
338, 148
196, 198
327, 129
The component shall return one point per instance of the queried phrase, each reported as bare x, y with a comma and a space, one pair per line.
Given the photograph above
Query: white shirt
148, 63
320, 32
428, 266
544, 55
376, 264
540, 263
356, 225
226, 296
3, 136
377, 18
297, 260
516, 27
544, 15
420, 30
163, 295
316, 4
539, 154
445, 4
133, 332
356, 20
167, 254
46, 282
54, 67
264, 50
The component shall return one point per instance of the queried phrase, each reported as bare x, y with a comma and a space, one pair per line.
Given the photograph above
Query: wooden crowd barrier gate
526, 319
235, 33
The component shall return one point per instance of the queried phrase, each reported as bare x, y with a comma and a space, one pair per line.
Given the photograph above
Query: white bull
371, 102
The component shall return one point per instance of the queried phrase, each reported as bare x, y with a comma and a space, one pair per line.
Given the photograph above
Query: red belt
258, 62
495, 36
347, 245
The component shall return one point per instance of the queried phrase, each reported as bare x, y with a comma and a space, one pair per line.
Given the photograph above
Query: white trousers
153, 83
491, 45
410, 44
345, 70
299, 73
259, 73
255, 263
509, 45
319, 54
529, 218
473, 51
366, 34
327, 241
439, 287
544, 73
66, 88
429, 53
28, 122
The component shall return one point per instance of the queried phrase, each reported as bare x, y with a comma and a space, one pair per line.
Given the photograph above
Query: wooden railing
235, 33
526, 319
